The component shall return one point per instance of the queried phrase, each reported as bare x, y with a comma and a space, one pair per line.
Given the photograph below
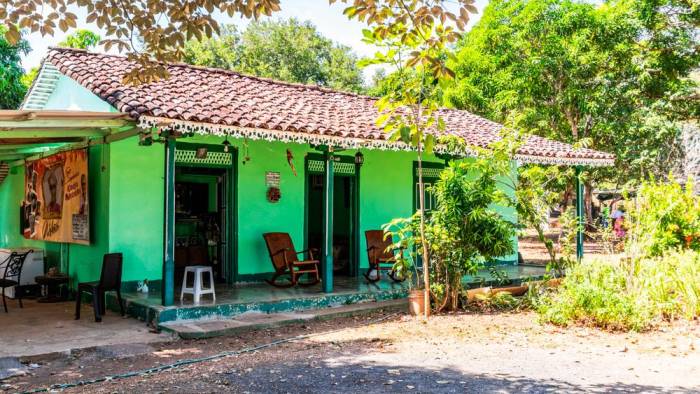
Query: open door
204, 211
345, 212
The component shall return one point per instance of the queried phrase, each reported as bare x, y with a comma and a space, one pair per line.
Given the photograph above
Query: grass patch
627, 295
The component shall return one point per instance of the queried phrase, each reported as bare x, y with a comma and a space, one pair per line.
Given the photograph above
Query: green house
195, 168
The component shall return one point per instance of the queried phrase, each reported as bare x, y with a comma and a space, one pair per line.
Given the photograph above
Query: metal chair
110, 280
13, 275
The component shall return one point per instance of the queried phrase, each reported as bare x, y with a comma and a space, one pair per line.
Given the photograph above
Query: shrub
628, 295
463, 231
664, 216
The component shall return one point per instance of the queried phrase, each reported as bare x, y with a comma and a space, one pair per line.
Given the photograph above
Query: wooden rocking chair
286, 262
380, 259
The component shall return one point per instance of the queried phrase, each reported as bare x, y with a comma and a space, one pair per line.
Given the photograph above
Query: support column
168, 282
355, 261
327, 253
579, 214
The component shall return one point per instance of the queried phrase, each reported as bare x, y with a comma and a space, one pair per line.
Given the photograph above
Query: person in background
605, 216
618, 217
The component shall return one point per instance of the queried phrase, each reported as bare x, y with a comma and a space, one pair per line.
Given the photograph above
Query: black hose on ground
180, 363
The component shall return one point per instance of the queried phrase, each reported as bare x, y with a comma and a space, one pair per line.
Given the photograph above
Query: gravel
509, 353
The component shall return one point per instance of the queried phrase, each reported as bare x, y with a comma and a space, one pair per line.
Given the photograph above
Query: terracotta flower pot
554, 282
416, 302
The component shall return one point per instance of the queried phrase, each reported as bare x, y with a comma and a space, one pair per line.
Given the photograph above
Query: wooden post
168, 282
327, 252
579, 214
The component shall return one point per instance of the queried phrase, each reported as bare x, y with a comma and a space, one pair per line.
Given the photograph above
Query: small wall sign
272, 180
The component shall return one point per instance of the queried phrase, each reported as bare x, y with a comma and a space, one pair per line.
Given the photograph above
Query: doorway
201, 223
345, 211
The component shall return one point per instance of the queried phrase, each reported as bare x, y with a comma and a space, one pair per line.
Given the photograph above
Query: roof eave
186, 127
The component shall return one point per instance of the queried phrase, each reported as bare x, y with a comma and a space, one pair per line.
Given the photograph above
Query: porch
234, 300
45, 328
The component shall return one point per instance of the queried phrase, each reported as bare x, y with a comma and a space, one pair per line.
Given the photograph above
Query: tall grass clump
627, 295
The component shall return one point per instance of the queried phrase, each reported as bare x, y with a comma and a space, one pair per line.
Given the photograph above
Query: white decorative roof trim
42, 87
564, 161
184, 126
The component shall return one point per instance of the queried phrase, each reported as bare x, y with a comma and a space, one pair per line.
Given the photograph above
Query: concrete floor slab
234, 300
49, 328
257, 321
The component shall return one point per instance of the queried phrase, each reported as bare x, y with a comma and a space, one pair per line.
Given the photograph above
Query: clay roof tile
224, 97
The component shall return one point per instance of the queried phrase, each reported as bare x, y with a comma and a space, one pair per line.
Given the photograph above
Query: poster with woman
56, 198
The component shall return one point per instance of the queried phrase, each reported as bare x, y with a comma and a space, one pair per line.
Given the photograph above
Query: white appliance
33, 267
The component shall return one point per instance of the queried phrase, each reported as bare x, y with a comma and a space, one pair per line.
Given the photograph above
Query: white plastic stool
196, 290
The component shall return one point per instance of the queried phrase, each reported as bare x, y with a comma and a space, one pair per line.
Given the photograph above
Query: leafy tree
220, 52
12, 89
158, 29
28, 78
413, 38
81, 39
464, 230
611, 76
378, 87
286, 50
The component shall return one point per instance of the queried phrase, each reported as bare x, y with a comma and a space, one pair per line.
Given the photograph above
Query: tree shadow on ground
303, 377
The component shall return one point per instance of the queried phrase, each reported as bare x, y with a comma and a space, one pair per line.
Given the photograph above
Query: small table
51, 288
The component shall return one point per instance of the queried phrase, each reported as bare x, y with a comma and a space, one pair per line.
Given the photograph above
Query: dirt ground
534, 252
390, 352
509, 353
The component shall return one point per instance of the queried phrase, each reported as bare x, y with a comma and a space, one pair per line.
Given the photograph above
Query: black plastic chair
110, 280
12, 276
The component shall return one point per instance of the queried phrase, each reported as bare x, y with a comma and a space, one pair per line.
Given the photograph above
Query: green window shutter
431, 174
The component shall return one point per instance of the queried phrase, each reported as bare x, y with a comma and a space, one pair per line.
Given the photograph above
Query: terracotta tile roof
228, 98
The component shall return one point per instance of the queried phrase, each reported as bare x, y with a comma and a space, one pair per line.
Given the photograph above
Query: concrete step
197, 329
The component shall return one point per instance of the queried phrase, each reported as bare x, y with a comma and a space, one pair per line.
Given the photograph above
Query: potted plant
403, 236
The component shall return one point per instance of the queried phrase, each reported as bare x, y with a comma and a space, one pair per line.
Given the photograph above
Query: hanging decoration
290, 160
246, 155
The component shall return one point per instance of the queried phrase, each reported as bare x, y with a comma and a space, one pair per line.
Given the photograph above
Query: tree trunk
588, 202
424, 243
567, 197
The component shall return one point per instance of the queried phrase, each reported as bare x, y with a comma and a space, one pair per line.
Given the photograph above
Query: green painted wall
386, 187
509, 212
136, 207
255, 214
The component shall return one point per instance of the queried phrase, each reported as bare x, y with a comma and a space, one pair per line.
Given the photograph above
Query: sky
328, 19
